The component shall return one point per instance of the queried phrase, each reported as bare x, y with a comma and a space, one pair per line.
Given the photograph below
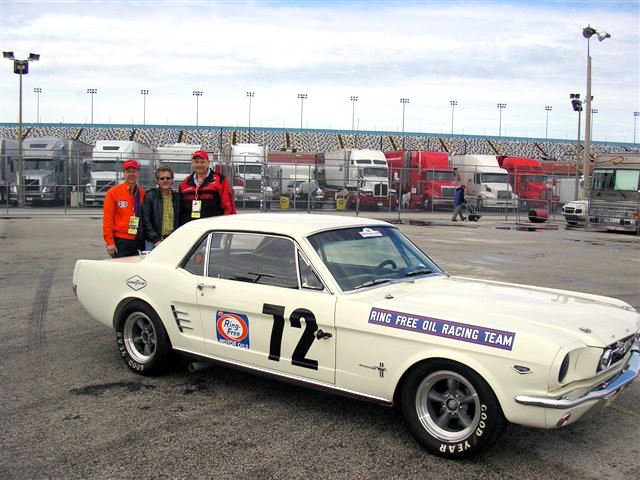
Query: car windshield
364, 257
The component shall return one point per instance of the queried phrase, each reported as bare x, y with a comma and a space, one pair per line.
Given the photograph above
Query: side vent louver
181, 319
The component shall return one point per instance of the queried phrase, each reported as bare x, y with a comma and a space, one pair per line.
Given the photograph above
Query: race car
352, 306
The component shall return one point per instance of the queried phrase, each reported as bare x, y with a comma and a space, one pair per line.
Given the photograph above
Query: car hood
595, 320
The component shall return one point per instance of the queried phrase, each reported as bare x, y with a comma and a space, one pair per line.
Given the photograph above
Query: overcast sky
525, 54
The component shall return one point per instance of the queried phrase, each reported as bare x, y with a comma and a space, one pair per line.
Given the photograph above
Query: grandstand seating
214, 138
156, 137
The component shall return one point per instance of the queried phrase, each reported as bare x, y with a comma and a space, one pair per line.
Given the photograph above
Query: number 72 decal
306, 340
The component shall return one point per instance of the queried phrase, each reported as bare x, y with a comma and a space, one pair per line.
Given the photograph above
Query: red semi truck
529, 181
423, 178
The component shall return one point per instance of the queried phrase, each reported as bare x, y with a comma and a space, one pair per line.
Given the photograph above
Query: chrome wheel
139, 337
447, 406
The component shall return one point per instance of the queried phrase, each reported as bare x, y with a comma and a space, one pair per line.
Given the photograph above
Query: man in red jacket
121, 225
205, 193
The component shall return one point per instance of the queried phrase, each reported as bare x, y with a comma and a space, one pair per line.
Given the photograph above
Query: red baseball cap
200, 153
130, 164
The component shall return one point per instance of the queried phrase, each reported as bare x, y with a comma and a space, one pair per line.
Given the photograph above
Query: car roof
296, 225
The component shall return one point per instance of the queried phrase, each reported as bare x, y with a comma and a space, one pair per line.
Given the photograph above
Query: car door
256, 310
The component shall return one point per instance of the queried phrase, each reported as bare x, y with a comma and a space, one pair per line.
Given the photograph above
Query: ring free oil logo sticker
489, 337
232, 329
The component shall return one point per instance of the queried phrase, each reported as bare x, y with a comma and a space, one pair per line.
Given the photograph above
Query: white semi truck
486, 183
106, 167
52, 167
178, 157
244, 165
358, 176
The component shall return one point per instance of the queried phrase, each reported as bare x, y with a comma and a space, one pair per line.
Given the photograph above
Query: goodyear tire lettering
487, 415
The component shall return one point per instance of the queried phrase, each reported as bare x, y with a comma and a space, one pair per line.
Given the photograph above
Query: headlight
14, 189
47, 189
615, 352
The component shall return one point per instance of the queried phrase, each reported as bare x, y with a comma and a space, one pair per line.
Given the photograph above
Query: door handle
320, 335
202, 286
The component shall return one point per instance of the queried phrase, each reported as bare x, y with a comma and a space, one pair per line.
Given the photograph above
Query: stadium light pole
500, 107
635, 117
453, 104
547, 108
92, 92
301, 96
38, 91
587, 33
576, 103
144, 94
250, 95
354, 99
20, 67
197, 94
404, 102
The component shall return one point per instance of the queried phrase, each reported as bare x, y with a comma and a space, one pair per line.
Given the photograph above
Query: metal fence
296, 182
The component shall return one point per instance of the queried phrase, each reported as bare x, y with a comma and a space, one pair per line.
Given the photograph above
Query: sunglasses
164, 178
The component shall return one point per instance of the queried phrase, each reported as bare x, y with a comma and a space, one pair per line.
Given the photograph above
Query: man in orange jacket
121, 225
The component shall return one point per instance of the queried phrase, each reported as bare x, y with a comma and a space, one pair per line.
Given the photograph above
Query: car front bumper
603, 391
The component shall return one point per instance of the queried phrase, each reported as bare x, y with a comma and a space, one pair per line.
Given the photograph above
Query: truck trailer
422, 178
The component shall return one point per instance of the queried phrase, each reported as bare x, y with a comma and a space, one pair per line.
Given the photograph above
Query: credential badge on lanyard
134, 222
196, 207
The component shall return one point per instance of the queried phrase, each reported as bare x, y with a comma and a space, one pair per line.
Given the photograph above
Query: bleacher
156, 137
215, 138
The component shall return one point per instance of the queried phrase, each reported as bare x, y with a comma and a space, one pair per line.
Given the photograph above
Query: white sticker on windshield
369, 232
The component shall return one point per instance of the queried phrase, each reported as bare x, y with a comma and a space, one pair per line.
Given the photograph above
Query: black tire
450, 410
142, 340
